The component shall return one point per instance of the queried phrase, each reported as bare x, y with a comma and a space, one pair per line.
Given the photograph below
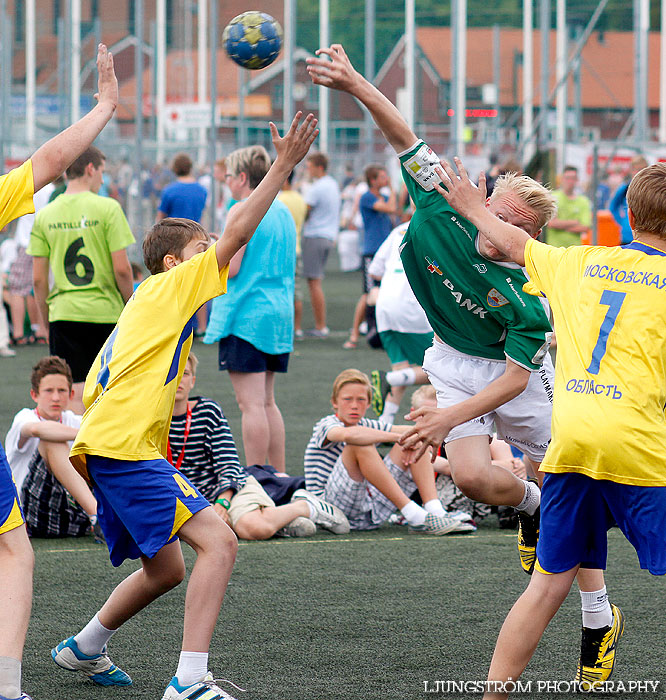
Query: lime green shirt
577, 209
78, 233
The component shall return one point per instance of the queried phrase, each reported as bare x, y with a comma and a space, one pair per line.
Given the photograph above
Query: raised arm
339, 74
54, 157
470, 201
244, 218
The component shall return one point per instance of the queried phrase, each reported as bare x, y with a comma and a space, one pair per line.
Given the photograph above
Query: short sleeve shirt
323, 221
473, 304
569, 208
185, 200
376, 224
16, 191
78, 233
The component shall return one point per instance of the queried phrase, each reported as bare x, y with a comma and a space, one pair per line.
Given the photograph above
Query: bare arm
469, 200
244, 218
122, 271
434, 424
49, 430
160, 215
235, 263
40, 283
53, 158
361, 435
339, 74
388, 206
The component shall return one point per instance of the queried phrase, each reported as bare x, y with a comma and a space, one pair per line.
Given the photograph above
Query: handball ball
253, 39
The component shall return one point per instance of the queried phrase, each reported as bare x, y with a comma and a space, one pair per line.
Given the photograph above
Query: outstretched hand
293, 146
432, 426
458, 190
332, 68
107, 83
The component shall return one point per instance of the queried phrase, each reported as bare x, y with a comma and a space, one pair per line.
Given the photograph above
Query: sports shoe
327, 515
98, 667
597, 652
205, 689
318, 332
298, 527
8, 352
438, 525
380, 390
528, 536
461, 516
96, 530
23, 696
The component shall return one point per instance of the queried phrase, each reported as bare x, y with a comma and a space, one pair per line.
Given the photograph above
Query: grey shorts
314, 254
366, 507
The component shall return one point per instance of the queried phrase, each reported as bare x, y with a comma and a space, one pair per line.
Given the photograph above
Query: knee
472, 483
168, 578
223, 544
253, 527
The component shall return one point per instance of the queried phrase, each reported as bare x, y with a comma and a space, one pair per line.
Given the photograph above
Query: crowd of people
445, 293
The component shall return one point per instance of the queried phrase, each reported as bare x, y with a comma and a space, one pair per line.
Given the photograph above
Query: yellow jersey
131, 388
609, 306
16, 191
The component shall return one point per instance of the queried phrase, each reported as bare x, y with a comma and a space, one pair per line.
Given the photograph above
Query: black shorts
78, 344
367, 281
237, 355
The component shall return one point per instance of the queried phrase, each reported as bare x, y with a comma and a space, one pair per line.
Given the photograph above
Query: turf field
369, 616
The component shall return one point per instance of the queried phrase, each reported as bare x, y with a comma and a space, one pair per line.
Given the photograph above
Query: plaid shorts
20, 275
366, 507
48, 508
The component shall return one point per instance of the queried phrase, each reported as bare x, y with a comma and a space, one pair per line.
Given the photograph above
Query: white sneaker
205, 689
98, 667
7, 352
298, 527
438, 525
327, 515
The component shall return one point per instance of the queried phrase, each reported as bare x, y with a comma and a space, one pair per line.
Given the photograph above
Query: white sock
414, 514
10, 677
596, 609
192, 667
531, 499
435, 507
390, 411
401, 377
92, 638
313, 512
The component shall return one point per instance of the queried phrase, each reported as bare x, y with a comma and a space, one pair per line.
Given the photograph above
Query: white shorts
523, 421
366, 508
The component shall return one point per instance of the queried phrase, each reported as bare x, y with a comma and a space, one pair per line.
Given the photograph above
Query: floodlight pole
212, 141
369, 126
75, 67
202, 29
30, 73
528, 80
410, 62
4, 80
544, 29
641, 28
138, 115
160, 76
561, 96
324, 92
288, 63
459, 81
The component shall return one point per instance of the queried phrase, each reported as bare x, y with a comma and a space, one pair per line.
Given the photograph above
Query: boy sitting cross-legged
145, 505
203, 449
342, 465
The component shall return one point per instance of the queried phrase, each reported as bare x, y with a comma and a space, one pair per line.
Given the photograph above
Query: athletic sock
401, 377
192, 667
596, 609
531, 499
10, 677
93, 637
414, 514
390, 411
435, 507
313, 512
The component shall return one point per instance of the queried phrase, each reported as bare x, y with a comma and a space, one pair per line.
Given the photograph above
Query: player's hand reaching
332, 68
107, 83
459, 191
293, 146
432, 426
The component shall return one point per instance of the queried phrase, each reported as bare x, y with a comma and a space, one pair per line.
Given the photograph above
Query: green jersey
569, 208
78, 233
473, 304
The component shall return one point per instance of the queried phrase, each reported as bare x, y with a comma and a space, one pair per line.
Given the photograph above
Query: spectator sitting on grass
202, 447
343, 466
56, 500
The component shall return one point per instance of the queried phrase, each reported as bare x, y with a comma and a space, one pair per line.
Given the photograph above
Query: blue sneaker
23, 696
205, 689
98, 667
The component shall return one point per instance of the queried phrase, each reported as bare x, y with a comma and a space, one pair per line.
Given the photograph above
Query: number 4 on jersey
614, 301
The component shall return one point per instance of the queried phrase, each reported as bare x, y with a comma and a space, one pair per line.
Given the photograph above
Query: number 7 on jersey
614, 301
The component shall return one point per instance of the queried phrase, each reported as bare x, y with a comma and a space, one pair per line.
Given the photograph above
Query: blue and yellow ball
253, 39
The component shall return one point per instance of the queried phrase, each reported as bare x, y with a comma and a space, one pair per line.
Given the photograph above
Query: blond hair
646, 197
350, 376
537, 197
424, 393
193, 360
254, 161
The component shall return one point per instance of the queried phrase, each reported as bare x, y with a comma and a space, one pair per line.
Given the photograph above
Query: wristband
223, 502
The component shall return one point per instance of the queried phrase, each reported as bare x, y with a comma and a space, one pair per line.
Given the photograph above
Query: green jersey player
489, 362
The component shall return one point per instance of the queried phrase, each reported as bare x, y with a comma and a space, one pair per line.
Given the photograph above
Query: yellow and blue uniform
16, 191
129, 397
605, 461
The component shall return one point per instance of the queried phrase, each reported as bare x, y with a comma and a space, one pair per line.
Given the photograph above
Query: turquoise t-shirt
259, 304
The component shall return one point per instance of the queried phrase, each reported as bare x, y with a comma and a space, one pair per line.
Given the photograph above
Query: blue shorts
11, 515
141, 505
237, 355
577, 511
